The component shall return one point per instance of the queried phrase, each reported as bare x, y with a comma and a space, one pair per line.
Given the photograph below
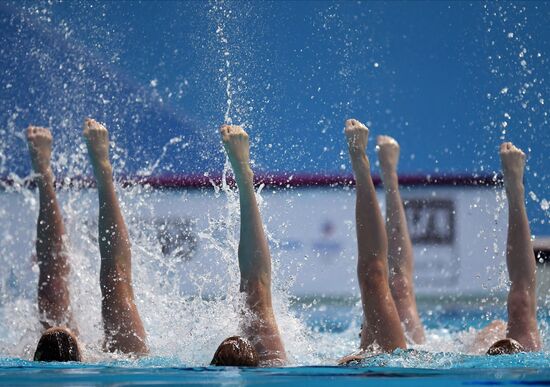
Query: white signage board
459, 235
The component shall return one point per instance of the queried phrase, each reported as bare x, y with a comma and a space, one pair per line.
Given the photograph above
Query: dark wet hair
505, 347
236, 351
57, 344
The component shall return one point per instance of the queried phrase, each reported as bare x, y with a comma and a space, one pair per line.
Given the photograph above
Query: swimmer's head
57, 344
505, 347
236, 351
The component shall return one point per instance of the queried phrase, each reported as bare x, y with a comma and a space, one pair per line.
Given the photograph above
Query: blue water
411, 367
26, 373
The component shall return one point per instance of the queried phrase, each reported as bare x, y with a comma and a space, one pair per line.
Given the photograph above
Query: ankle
358, 159
103, 166
390, 180
243, 174
514, 190
103, 172
44, 170
43, 176
356, 153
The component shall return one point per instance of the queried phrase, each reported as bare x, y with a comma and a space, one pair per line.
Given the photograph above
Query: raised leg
121, 321
53, 292
400, 251
520, 258
382, 324
254, 256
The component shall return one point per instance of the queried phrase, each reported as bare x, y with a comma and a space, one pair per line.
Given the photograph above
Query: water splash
186, 314
228, 91
518, 86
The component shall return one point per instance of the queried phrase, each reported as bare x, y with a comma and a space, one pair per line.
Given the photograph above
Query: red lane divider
283, 181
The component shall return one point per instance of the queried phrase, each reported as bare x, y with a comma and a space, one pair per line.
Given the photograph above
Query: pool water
26, 373
440, 361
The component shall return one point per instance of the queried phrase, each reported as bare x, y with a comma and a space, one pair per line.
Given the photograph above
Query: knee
374, 268
520, 303
258, 296
401, 287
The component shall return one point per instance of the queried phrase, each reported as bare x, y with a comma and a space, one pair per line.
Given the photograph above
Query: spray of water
187, 309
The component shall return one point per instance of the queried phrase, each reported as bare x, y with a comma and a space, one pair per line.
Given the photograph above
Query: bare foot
388, 153
357, 135
40, 148
513, 164
97, 140
235, 142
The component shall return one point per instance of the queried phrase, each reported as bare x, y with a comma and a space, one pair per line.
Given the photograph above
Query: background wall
458, 249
